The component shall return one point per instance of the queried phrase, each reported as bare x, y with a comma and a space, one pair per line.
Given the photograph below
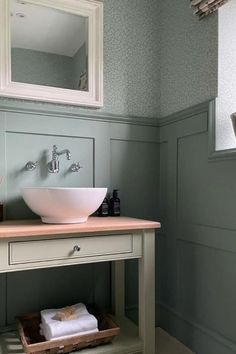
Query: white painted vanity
33, 245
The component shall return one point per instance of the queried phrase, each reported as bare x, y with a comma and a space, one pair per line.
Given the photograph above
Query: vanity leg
147, 293
3, 287
118, 288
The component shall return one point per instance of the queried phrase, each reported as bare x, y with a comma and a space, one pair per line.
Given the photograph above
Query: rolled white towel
49, 314
55, 329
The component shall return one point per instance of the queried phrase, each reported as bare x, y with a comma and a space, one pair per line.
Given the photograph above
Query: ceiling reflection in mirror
49, 47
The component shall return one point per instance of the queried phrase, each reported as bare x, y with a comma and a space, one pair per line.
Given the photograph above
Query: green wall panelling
161, 241
32, 291
207, 293
2, 167
2, 156
209, 236
135, 171
192, 334
134, 166
212, 183
65, 111
30, 135
3, 291
197, 251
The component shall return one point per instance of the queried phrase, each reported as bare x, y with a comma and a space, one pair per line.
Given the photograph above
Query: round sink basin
63, 205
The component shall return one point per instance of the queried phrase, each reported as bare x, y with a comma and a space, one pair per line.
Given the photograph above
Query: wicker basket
34, 343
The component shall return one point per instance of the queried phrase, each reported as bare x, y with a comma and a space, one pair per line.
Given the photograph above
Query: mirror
42, 56
52, 50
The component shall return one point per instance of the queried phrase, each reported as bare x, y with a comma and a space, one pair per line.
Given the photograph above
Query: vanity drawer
46, 250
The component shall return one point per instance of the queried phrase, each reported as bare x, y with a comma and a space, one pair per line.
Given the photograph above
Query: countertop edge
26, 228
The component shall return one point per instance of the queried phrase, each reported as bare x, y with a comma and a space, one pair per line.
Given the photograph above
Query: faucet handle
30, 165
75, 167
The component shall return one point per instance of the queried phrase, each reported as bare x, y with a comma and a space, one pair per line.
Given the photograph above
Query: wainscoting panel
198, 250
135, 171
205, 189
206, 277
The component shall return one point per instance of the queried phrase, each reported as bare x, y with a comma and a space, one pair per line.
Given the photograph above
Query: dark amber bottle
1, 212
115, 204
103, 210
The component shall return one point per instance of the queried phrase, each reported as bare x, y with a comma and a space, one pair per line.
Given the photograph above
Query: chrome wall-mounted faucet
53, 165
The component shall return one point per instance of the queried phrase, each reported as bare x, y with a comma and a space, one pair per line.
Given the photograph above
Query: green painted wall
196, 250
116, 155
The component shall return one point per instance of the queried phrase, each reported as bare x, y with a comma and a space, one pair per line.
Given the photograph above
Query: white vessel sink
63, 205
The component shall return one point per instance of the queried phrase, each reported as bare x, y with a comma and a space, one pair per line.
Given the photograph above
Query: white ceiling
47, 30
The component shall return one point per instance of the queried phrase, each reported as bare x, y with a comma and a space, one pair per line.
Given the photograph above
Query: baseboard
166, 344
195, 336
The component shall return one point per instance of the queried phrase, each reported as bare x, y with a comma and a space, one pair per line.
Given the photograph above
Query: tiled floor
165, 344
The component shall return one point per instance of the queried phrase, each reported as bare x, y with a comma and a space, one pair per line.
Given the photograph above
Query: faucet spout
66, 152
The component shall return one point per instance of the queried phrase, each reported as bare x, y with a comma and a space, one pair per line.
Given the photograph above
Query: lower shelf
128, 342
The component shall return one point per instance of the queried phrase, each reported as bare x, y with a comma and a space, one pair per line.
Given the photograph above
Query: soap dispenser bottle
103, 210
115, 204
1, 203
1, 211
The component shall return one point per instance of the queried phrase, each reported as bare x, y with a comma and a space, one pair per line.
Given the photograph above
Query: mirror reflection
48, 47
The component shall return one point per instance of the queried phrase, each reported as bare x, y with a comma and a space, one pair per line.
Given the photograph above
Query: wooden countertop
21, 228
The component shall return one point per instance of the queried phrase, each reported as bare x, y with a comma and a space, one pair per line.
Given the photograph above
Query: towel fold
67, 336
52, 328
49, 314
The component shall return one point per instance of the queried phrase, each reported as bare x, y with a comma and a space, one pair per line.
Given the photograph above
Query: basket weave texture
34, 343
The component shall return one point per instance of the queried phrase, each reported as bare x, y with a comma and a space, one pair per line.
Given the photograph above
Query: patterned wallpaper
132, 57
189, 52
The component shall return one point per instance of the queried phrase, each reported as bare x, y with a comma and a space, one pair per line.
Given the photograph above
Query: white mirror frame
94, 96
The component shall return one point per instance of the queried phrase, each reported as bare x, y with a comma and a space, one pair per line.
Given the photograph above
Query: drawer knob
76, 248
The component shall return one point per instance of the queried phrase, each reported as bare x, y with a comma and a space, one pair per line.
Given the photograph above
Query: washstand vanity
33, 245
